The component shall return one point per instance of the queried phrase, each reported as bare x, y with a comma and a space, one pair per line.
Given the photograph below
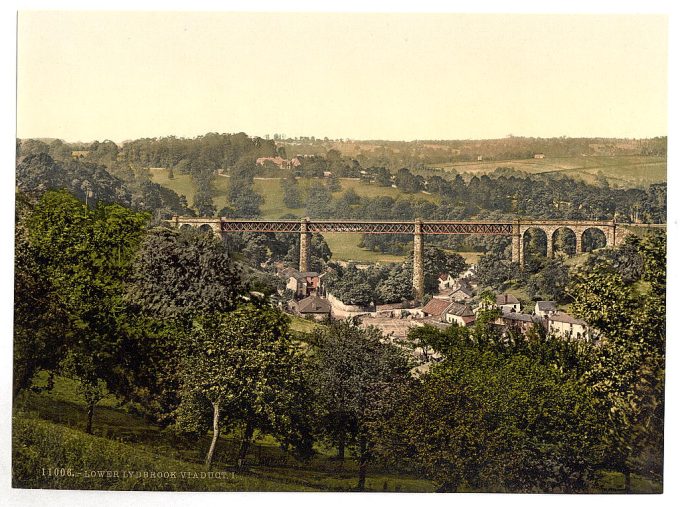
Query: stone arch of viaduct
613, 233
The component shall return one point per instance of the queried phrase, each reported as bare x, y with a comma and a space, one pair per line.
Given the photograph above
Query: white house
565, 325
507, 303
459, 314
446, 281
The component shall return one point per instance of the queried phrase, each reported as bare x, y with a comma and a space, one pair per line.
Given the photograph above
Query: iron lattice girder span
365, 227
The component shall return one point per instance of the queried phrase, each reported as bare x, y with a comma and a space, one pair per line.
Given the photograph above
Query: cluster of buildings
456, 304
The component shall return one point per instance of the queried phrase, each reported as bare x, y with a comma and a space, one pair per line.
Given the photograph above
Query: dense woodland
166, 320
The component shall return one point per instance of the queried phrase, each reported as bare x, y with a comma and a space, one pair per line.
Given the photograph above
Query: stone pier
305, 244
418, 271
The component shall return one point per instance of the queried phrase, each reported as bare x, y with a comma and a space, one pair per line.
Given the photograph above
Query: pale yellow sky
99, 75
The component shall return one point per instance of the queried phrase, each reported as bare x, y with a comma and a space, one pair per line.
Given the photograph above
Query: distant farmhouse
280, 162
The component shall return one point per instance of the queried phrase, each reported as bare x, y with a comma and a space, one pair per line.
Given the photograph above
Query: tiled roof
546, 306
436, 306
523, 317
304, 275
464, 289
506, 299
460, 310
566, 318
313, 304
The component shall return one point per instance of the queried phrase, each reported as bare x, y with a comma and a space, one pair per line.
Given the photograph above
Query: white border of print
12, 497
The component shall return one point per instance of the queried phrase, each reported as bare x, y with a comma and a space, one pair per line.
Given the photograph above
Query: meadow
623, 171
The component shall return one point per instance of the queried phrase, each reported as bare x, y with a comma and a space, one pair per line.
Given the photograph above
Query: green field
181, 183
48, 432
621, 170
273, 206
345, 248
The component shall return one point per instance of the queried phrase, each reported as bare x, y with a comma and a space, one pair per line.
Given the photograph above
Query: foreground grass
48, 433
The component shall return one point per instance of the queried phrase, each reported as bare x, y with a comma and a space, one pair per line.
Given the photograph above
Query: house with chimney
507, 303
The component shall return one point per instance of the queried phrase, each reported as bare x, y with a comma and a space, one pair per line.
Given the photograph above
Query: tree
86, 255
397, 287
40, 320
550, 282
352, 369
627, 372
481, 421
292, 198
318, 201
180, 274
495, 272
245, 366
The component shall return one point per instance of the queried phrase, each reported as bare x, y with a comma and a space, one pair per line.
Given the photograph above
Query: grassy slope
625, 171
181, 183
48, 427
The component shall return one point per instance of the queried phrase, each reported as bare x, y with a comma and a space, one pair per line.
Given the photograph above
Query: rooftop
567, 319
460, 310
436, 306
546, 306
313, 304
520, 317
506, 299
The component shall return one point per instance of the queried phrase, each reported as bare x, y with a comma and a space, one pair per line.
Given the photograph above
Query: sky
111, 75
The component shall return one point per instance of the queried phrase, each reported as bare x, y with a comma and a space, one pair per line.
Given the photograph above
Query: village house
435, 308
304, 284
545, 308
459, 314
539, 155
518, 321
446, 281
314, 306
462, 291
563, 324
507, 303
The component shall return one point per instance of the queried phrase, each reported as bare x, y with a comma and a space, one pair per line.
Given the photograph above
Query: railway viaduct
613, 233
